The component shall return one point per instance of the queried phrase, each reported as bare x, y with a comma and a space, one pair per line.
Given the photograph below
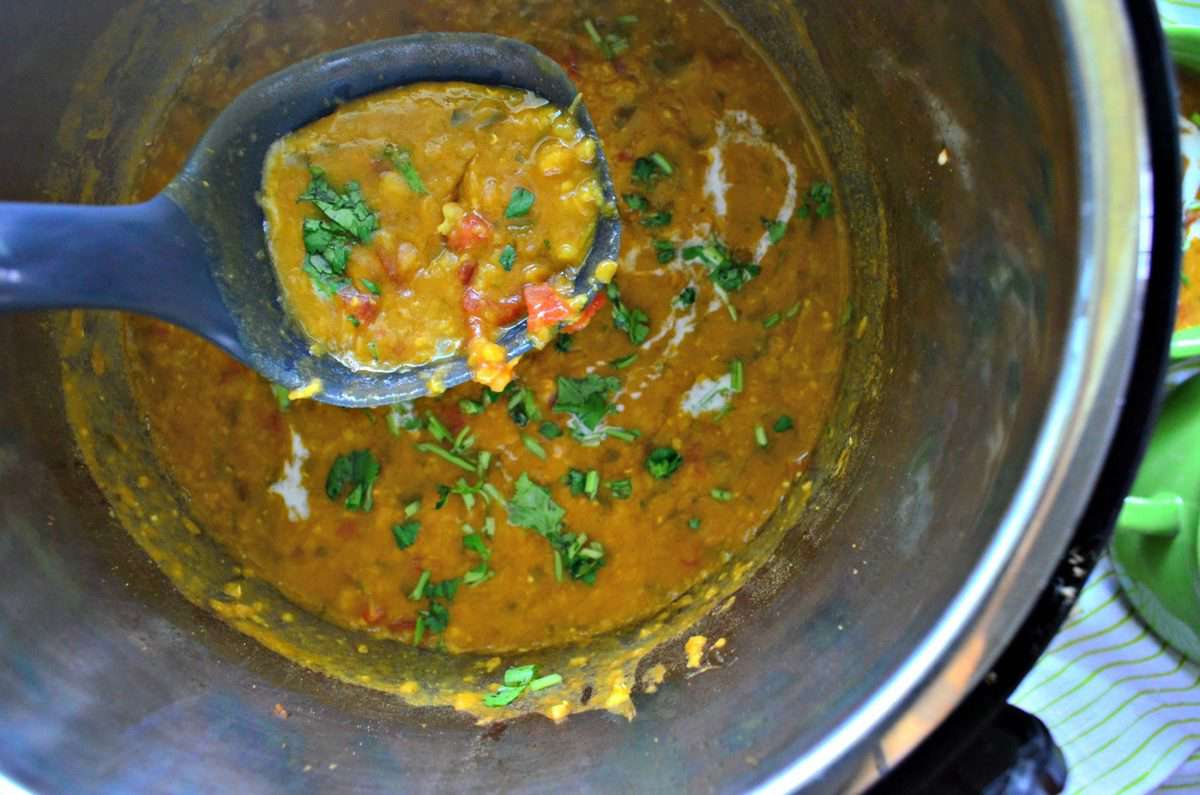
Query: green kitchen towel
1123, 707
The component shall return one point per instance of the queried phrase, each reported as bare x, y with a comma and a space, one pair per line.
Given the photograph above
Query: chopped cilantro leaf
533, 446
522, 404
573, 553
636, 201
721, 495
633, 322
694, 523
280, 394
371, 287
775, 229
520, 203
656, 220
624, 361
346, 210
784, 424
818, 201
686, 297
405, 533
402, 162
357, 470
771, 321
471, 407
663, 462
562, 343
647, 170
418, 592
620, 489
624, 434
517, 680
508, 257
586, 398
533, 508
727, 272
575, 479
665, 251
550, 430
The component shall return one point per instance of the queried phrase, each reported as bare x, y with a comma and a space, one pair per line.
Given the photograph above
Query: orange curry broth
686, 78
450, 253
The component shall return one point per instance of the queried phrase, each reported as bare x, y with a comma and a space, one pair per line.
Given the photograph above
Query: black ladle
195, 254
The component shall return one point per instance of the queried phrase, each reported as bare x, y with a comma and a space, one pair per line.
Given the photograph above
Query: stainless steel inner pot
1009, 282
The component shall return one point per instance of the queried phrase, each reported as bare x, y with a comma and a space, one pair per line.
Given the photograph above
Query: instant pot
1009, 175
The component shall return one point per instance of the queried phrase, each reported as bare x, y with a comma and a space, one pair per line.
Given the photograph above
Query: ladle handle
146, 258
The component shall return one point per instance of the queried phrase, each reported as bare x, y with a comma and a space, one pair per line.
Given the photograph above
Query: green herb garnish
647, 170
656, 220
549, 430
633, 322
533, 446
533, 508
771, 321
508, 257
517, 680
775, 229
636, 202
624, 361
620, 489
371, 287
562, 343
357, 470
347, 211
737, 376
665, 251
760, 435
403, 163
280, 393
783, 424
727, 272
583, 483
473, 542
663, 462
610, 44
818, 202
586, 398
520, 204
624, 434
721, 495
405, 533
686, 297
522, 404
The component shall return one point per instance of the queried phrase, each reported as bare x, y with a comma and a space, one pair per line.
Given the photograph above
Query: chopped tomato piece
466, 272
373, 612
363, 306
472, 230
546, 306
598, 303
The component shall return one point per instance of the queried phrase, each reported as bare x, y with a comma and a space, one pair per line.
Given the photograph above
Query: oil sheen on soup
627, 460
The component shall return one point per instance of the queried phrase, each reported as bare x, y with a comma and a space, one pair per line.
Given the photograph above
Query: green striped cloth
1124, 708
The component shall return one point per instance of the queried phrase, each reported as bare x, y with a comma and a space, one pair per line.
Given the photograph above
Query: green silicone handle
1163, 514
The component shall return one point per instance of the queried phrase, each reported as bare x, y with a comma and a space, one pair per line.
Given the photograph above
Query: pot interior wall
965, 273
